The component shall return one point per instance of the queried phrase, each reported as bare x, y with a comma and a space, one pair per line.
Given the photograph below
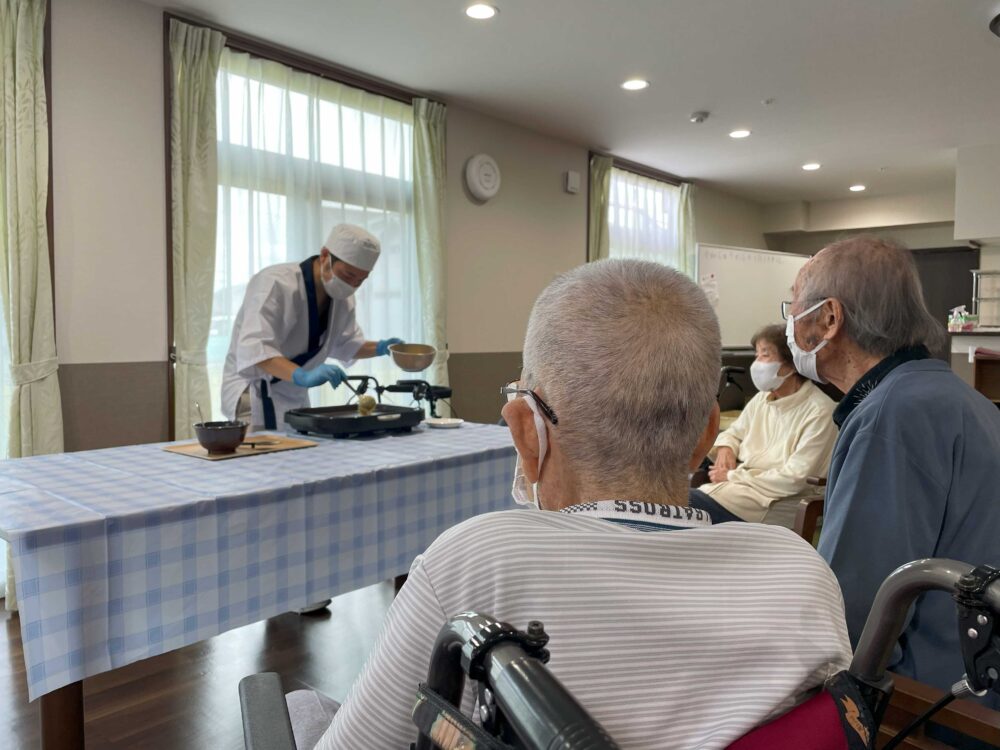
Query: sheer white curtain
650, 220
298, 154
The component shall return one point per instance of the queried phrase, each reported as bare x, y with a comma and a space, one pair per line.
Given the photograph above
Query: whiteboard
746, 287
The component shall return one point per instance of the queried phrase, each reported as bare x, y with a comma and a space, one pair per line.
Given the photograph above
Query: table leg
62, 718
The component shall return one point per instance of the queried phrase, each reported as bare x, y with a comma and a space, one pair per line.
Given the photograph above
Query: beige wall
110, 237
108, 181
860, 212
723, 219
914, 237
977, 193
502, 253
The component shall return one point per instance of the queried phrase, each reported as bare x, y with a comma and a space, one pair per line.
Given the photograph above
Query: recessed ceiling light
811, 166
635, 84
481, 11
857, 188
742, 133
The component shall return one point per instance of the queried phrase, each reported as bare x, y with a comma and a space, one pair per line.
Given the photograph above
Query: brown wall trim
643, 171
49, 207
168, 103
114, 403
306, 63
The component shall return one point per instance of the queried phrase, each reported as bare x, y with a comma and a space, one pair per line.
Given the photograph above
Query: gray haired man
647, 601
916, 468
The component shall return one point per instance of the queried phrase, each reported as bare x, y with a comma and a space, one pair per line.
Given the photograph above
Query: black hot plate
345, 421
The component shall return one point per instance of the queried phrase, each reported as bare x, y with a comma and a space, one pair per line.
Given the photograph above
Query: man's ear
831, 318
521, 421
707, 439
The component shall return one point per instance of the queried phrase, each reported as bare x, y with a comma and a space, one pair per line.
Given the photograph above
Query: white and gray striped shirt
682, 639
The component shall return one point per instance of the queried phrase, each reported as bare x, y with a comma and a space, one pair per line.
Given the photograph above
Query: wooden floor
188, 698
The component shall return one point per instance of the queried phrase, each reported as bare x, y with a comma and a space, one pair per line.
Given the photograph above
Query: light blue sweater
915, 473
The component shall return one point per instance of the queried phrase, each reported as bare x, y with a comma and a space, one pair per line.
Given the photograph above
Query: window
297, 154
647, 220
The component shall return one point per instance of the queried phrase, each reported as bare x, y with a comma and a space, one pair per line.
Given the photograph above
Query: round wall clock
482, 176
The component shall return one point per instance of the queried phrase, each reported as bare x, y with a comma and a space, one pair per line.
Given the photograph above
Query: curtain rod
642, 170
317, 66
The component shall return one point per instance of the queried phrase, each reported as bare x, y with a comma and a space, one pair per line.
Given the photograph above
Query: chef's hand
318, 375
382, 347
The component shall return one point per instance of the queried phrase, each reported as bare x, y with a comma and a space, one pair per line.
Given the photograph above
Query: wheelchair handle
892, 604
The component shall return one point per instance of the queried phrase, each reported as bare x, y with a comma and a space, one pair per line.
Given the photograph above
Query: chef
294, 317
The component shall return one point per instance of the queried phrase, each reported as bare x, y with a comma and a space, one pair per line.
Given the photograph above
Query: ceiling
879, 91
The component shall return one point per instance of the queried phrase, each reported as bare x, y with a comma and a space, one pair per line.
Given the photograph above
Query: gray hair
877, 283
627, 354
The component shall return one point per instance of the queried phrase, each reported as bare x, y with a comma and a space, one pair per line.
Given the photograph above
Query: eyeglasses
513, 389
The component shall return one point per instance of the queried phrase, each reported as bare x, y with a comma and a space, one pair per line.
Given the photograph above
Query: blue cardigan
915, 473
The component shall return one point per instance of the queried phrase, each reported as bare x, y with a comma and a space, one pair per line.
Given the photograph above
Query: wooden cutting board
264, 443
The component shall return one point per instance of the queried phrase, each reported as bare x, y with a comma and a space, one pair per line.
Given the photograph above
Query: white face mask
765, 375
335, 286
523, 491
805, 362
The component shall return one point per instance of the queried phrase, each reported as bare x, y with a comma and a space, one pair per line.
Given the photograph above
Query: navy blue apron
317, 328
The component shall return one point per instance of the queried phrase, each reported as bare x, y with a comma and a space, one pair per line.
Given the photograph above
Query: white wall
108, 181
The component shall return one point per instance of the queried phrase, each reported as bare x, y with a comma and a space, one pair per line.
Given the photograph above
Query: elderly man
916, 469
672, 632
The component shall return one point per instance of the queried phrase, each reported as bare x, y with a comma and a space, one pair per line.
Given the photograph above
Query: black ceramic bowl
220, 437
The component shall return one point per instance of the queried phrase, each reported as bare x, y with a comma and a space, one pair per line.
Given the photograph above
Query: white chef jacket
274, 321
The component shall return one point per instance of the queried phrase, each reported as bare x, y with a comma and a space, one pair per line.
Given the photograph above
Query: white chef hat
354, 245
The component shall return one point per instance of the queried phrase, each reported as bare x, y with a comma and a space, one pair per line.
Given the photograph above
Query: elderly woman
640, 592
916, 469
785, 434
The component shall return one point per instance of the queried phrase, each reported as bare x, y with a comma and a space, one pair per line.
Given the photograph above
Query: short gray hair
876, 281
627, 353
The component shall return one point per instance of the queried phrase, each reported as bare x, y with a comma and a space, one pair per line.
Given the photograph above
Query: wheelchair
523, 706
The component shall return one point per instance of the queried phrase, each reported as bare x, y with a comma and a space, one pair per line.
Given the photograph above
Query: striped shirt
682, 639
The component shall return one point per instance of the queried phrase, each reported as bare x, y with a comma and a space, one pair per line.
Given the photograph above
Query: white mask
805, 362
765, 375
335, 286
523, 491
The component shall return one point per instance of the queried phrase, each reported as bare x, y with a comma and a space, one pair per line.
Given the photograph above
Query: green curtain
194, 63
686, 238
598, 238
25, 275
428, 209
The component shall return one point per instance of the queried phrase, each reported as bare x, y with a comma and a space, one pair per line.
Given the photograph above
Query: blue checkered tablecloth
126, 553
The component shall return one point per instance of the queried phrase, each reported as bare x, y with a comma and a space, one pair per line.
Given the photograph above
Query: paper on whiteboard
710, 286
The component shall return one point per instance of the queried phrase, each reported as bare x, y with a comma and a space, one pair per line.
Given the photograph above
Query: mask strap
540, 428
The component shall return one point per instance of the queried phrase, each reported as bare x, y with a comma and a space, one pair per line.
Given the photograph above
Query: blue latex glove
318, 375
382, 347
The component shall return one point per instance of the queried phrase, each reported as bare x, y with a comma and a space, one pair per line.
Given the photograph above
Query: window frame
635, 168
255, 47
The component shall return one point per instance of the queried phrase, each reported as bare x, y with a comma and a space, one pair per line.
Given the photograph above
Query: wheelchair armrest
266, 725
816, 481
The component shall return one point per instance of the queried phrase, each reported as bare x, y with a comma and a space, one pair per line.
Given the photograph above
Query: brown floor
188, 698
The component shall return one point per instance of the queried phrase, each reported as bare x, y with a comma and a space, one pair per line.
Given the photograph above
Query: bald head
876, 282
